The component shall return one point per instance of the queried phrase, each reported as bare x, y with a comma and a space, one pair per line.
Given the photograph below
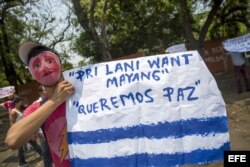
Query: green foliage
3, 81
11, 30
130, 26
82, 63
133, 25
21, 20
232, 20
84, 45
65, 64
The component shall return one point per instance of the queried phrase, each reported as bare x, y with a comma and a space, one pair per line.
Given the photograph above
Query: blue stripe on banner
175, 129
160, 160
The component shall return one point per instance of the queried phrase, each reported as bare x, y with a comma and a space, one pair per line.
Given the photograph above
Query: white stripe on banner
127, 117
151, 146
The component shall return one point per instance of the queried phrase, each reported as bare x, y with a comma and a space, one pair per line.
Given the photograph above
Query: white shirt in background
237, 58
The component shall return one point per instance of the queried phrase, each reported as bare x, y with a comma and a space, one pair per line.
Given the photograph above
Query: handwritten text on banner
238, 44
6, 91
162, 110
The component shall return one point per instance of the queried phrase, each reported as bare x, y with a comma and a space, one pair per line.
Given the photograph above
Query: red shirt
55, 132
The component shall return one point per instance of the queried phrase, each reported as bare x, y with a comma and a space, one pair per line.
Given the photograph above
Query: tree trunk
197, 44
88, 24
187, 25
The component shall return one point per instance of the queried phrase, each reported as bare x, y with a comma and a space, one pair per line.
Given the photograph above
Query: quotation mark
71, 73
76, 103
164, 71
197, 82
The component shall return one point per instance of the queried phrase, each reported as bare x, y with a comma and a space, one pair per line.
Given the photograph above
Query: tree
9, 25
86, 17
232, 20
188, 18
124, 27
23, 19
147, 25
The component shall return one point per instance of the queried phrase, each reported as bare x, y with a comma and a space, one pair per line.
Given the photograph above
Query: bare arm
23, 130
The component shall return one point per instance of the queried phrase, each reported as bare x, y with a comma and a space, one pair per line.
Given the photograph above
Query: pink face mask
45, 68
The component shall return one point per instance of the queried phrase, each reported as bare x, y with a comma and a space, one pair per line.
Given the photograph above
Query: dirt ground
238, 111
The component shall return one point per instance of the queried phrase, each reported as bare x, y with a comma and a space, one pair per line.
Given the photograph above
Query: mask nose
44, 67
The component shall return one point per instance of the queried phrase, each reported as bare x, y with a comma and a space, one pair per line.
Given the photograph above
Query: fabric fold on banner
145, 159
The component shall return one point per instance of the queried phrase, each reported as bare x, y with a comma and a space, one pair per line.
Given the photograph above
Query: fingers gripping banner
163, 110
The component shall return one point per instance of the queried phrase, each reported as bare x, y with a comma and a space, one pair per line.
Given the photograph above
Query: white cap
25, 48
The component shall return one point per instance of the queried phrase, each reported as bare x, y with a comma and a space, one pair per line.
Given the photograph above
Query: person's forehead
47, 54
42, 56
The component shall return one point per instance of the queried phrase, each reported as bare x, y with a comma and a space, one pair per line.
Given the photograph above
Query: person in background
16, 115
9, 104
240, 70
45, 67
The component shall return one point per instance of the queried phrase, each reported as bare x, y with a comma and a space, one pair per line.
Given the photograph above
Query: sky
75, 59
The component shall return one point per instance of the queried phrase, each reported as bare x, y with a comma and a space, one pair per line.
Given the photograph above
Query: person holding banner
240, 69
45, 67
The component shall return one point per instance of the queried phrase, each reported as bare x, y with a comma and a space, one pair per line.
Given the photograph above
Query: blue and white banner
239, 44
162, 110
176, 48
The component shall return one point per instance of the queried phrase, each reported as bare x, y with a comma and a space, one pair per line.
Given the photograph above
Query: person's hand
63, 90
